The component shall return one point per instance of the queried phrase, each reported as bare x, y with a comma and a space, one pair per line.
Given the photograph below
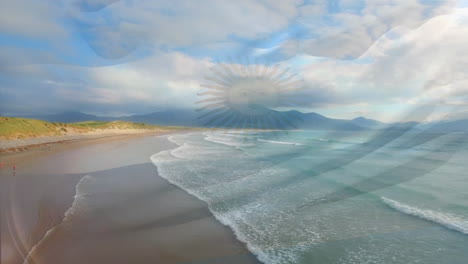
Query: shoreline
180, 215
8, 146
20, 145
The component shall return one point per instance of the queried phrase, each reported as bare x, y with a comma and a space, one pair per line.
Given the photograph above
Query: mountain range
191, 118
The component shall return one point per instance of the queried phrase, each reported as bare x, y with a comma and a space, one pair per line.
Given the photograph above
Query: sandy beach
24, 144
102, 201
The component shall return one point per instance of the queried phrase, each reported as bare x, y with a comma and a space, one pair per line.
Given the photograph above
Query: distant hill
290, 119
191, 118
319, 122
447, 126
168, 118
367, 123
68, 117
283, 119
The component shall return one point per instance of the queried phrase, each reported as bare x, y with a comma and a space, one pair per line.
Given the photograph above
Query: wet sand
124, 212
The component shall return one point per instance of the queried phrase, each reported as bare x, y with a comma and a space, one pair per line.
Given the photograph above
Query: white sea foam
234, 135
238, 219
280, 142
447, 220
242, 132
271, 255
191, 152
179, 139
223, 177
226, 140
234, 219
77, 207
172, 139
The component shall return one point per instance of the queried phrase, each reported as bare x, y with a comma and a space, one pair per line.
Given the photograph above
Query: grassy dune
114, 125
20, 128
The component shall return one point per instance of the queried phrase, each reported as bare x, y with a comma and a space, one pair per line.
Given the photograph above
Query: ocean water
331, 197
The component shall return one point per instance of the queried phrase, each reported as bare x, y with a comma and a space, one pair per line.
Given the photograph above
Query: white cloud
344, 34
425, 65
434, 55
404, 51
165, 79
30, 18
179, 23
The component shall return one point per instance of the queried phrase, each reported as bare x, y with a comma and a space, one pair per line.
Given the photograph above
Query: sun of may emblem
246, 95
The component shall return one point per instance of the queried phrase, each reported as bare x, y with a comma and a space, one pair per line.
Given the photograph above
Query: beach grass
23, 127
114, 125
20, 128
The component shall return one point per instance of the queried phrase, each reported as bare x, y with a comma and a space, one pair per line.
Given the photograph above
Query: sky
372, 58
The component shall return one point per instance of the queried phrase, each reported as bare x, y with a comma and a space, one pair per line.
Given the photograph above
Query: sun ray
280, 75
244, 70
212, 99
285, 85
264, 70
272, 71
215, 87
279, 82
257, 68
210, 93
242, 95
226, 120
221, 74
210, 106
214, 111
213, 119
217, 81
228, 69
237, 70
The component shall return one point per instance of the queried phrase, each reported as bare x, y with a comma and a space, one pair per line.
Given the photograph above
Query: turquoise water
331, 197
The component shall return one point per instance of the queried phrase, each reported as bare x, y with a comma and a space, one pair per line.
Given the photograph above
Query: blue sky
374, 58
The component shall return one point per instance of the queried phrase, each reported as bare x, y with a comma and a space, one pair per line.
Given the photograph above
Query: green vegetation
18, 128
114, 125
24, 128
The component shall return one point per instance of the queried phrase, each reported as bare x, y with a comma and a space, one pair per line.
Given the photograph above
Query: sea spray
449, 221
